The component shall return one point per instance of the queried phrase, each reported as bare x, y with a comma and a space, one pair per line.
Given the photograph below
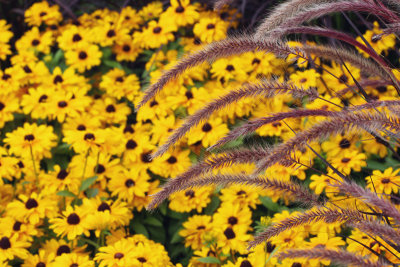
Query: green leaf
92, 192
153, 221
214, 204
139, 228
87, 183
65, 193
176, 238
270, 205
209, 260
112, 64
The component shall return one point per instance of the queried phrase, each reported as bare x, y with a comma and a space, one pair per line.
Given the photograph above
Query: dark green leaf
152, 221
209, 260
65, 193
87, 183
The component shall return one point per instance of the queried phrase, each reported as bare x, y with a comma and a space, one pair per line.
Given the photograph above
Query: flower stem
34, 166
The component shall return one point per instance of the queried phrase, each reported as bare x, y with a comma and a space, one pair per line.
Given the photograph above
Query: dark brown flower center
82, 55
2, 106
110, 108
385, 181
100, 169
246, 263
141, 259
76, 37
153, 103
206, 127
210, 26
157, 30
201, 227
232, 220
179, 9
146, 158
63, 249
119, 79
189, 95
303, 80
41, 264
73, 219
270, 247
17, 226
43, 98
103, 207
189, 193
5, 77
62, 174
129, 183
229, 233
62, 104
126, 48
27, 69
5, 243
296, 264
111, 33
131, 144
118, 255
35, 42
344, 143
256, 61
172, 160
89, 136
345, 160
58, 79
42, 14
81, 127
230, 68
31, 203
343, 79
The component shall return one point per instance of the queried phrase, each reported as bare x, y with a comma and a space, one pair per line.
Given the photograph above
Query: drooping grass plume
355, 190
225, 48
286, 10
225, 159
253, 125
336, 256
370, 122
277, 34
219, 4
384, 231
328, 215
363, 83
264, 88
297, 191
320, 10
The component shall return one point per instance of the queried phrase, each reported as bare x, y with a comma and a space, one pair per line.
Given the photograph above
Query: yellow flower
180, 13
305, 79
73, 259
127, 49
10, 248
117, 84
379, 44
386, 182
119, 254
210, 29
350, 160
241, 194
208, 133
31, 208
230, 214
174, 163
42, 12
71, 224
185, 201
194, 229
34, 40
84, 57
155, 35
31, 138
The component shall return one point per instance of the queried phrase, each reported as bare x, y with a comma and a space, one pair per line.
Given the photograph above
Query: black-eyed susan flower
151, 10
350, 160
155, 35
131, 183
73, 259
240, 194
31, 208
83, 141
181, 13
386, 182
34, 40
174, 163
210, 29
185, 201
111, 112
232, 215
209, 132
232, 238
194, 229
42, 258
305, 79
31, 139
84, 57
11, 247
119, 254
379, 43
42, 12
117, 84
71, 224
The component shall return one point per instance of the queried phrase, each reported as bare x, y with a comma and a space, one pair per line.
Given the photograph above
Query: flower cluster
76, 159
